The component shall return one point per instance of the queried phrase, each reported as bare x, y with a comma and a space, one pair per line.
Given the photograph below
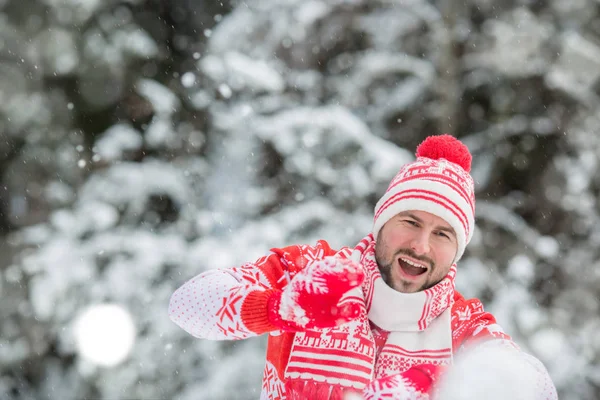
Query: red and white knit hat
438, 182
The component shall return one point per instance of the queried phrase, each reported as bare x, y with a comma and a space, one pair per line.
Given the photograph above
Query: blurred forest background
145, 141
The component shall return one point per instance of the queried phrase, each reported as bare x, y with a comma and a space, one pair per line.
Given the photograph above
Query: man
381, 320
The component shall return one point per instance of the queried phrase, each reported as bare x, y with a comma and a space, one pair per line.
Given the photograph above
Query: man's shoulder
470, 321
461, 304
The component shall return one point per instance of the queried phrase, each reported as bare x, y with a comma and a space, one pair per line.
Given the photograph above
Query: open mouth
412, 268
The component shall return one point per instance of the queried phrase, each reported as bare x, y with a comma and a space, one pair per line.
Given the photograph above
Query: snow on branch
337, 129
544, 247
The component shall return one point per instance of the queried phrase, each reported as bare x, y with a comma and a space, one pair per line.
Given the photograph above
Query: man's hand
412, 384
311, 300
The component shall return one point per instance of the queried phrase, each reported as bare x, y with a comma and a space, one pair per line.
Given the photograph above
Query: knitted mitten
313, 298
413, 384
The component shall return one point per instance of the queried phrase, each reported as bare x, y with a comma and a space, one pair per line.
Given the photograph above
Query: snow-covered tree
143, 142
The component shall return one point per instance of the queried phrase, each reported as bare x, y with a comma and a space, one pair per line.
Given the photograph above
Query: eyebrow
439, 227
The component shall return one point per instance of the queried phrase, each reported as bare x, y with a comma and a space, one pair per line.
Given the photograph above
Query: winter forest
145, 141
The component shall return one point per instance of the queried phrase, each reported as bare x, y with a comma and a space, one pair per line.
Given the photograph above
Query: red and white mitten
413, 384
311, 300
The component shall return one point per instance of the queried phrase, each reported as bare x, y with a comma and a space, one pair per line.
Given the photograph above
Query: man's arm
233, 303
473, 328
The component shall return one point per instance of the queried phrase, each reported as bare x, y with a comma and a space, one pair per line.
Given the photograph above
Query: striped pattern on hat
438, 182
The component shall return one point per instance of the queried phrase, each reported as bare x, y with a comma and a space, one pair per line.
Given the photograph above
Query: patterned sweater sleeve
471, 325
225, 304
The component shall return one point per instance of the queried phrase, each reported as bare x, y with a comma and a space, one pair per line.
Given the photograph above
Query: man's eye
411, 222
443, 234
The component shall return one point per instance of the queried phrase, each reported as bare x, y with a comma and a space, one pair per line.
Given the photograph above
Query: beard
385, 266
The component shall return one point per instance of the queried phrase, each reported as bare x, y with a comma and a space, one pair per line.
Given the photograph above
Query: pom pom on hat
437, 182
447, 147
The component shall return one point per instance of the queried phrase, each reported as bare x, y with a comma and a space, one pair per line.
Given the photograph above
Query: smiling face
415, 250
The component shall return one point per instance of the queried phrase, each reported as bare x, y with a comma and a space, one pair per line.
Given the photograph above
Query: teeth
414, 264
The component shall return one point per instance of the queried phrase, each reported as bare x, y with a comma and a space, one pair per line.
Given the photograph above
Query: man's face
415, 250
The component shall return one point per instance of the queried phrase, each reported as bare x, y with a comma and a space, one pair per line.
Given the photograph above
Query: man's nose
420, 244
